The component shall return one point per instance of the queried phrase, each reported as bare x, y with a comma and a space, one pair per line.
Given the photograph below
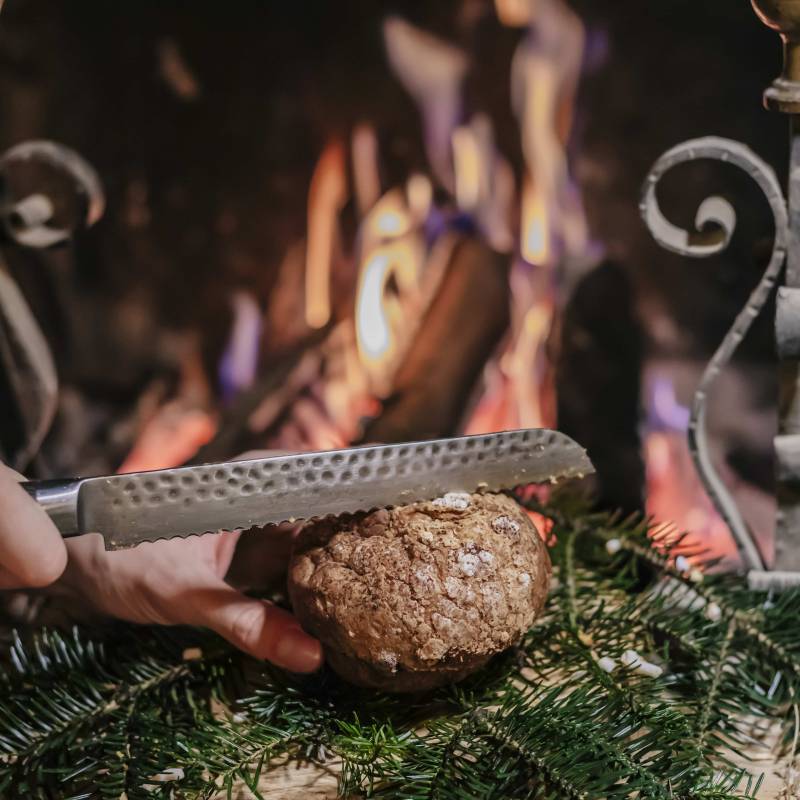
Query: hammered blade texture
147, 506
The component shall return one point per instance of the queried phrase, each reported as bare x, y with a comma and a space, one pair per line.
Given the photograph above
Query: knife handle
59, 498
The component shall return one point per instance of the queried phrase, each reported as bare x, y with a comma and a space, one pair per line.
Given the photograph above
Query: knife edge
185, 501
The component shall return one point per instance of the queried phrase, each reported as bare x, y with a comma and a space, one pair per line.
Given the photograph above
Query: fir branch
553, 778
113, 716
228, 752
750, 621
545, 723
49, 729
568, 578
711, 695
53, 721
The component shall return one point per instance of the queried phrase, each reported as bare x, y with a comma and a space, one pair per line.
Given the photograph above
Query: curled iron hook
700, 244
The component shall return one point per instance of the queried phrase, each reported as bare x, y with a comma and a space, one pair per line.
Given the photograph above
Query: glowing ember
674, 490
674, 493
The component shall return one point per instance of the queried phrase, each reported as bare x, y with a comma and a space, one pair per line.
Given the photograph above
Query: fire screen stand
783, 96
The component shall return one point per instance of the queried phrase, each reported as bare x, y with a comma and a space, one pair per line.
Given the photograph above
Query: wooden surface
292, 782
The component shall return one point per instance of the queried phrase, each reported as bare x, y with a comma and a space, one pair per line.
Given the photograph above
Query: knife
162, 504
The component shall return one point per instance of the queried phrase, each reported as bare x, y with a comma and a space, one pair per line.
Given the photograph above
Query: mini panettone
422, 595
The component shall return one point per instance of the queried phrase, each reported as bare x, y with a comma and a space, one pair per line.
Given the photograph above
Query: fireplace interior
332, 223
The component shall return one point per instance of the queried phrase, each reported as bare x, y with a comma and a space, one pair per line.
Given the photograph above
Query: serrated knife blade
147, 506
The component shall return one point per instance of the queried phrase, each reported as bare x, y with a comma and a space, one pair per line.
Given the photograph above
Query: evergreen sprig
569, 713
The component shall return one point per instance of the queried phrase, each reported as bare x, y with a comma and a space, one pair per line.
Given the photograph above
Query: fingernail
298, 652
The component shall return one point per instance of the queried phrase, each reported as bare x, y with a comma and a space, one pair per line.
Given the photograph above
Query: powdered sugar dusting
425, 579
457, 501
468, 563
453, 587
505, 525
388, 659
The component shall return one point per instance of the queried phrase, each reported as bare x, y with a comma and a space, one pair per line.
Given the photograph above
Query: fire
372, 310
239, 364
400, 263
468, 168
533, 338
514, 13
518, 385
552, 227
327, 195
674, 489
675, 493
379, 313
391, 264
170, 438
388, 219
171, 432
535, 245
420, 196
406, 236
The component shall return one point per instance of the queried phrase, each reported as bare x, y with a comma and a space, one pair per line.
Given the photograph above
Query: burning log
433, 385
598, 383
247, 423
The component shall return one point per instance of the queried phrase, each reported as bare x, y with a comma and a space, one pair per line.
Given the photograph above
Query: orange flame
535, 245
327, 195
518, 385
171, 432
514, 13
391, 255
378, 313
674, 493
467, 168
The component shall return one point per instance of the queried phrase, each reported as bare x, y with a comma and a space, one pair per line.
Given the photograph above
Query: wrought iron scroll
701, 244
31, 221
28, 221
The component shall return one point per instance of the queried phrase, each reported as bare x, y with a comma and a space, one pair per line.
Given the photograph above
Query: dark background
205, 195
223, 179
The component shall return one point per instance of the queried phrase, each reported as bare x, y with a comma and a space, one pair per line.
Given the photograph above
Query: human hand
175, 582
32, 552
181, 582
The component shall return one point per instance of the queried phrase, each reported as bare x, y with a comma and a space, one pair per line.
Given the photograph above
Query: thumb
258, 628
32, 552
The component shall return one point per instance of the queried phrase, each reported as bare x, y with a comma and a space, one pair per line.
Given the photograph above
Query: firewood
462, 328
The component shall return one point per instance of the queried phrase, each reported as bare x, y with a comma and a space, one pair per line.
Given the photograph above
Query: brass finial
784, 17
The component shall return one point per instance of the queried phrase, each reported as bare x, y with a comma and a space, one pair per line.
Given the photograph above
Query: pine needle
639, 680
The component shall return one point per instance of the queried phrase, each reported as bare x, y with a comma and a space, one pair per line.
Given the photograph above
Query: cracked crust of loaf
422, 595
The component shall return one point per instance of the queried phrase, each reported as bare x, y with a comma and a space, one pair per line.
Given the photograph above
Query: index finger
32, 552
